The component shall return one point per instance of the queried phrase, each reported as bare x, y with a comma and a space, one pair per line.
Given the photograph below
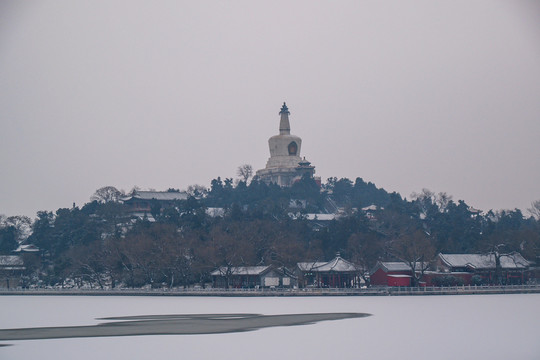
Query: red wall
380, 277
399, 281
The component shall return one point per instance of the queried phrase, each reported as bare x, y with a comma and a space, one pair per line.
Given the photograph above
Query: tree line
100, 245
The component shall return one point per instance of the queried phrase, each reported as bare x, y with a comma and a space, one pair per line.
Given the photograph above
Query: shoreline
379, 291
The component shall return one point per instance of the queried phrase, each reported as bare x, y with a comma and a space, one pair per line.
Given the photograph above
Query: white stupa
285, 166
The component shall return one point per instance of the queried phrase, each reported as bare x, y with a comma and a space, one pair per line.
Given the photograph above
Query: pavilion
336, 273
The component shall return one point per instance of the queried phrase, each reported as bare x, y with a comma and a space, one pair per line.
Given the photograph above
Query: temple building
285, 166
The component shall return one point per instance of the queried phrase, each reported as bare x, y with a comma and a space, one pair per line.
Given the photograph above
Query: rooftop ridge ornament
284, 109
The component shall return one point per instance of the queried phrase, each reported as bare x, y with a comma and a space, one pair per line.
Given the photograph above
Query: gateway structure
285, 166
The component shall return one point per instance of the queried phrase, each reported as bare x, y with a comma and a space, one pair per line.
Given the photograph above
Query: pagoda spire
284, 125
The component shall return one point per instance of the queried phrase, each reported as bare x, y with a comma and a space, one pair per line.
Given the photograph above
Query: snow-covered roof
240, 270
157, 195
392, 266
371, 207
309, 266
338, 264
395, 266
11, 262
143, 216
27, 248
484, 261
321, 217
215, 212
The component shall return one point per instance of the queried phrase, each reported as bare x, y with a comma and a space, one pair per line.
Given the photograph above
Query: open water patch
176, 324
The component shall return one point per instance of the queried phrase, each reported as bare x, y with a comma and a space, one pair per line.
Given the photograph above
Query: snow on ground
421, 327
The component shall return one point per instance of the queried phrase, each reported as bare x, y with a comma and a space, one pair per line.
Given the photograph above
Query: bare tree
197, 191
414, 249
107, 194
443, 200
365, 250
245, 172
22, 225
225, 251
534, 210
427, 199
424, 200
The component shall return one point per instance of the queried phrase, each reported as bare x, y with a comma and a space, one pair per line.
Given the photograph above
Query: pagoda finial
284, 126
284, 109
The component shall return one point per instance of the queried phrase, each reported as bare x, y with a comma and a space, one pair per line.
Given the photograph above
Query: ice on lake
413, 327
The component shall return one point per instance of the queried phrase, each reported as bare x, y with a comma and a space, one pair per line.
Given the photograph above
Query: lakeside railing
371, 291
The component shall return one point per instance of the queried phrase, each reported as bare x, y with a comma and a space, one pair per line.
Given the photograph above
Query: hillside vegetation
100, 244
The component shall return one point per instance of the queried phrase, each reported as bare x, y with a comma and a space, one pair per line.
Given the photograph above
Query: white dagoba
285, 166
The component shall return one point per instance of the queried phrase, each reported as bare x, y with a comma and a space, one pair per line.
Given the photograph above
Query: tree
224, 251
414, 249
22, 225
365, 249
42, 230
197, 191
424, 201
8, 239
534, 210
107, 194
306, 188
342, 191
245, 172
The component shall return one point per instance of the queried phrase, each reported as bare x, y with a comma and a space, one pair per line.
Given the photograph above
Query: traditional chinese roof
28, 248
240, 270
398, 266
285, 272
484, 261
157, 195
394, 266
338, 264
309, 266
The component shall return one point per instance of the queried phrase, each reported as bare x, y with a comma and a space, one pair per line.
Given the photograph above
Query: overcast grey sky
441, 95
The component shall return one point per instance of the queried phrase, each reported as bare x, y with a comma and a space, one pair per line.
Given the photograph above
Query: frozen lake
409, 327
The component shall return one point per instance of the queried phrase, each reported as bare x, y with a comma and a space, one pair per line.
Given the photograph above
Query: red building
391, 274
508, 268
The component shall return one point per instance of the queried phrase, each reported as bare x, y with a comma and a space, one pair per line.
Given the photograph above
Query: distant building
285, 166
141, 203
370, 211
27, 249
388, 273
513, 267
455, 269
336, 273
11, 269
252, 277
